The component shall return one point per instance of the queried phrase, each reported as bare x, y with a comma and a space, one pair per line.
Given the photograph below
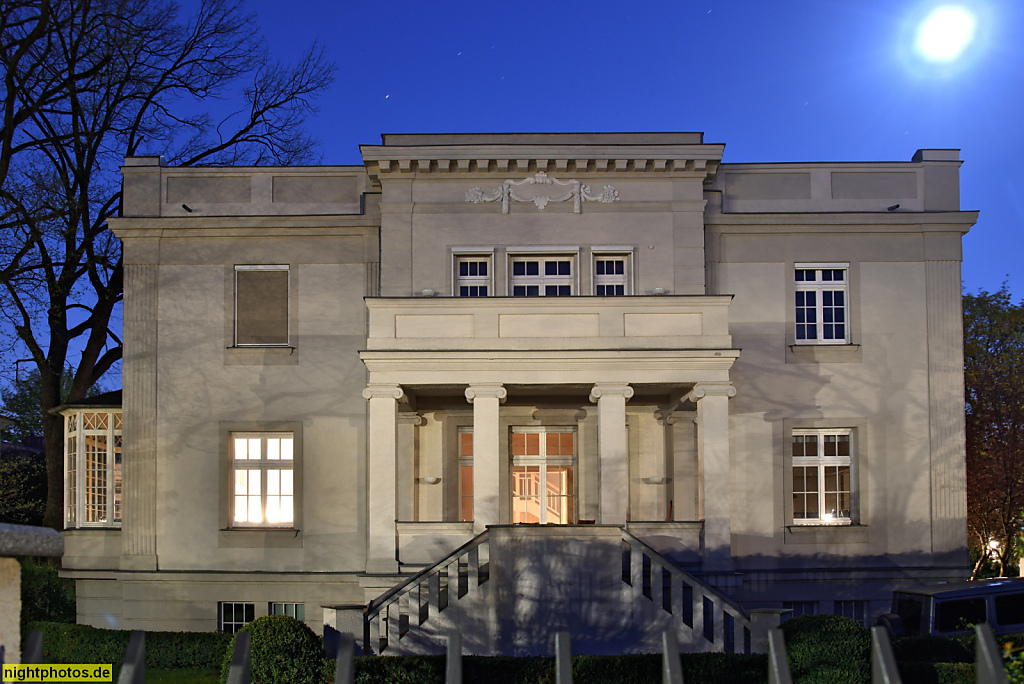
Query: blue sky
774, 81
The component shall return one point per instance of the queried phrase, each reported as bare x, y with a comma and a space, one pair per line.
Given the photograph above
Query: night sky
775, 81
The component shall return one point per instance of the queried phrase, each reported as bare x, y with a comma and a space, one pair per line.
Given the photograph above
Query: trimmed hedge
45, 597
708, 668
63, 643
827, 649
283, 650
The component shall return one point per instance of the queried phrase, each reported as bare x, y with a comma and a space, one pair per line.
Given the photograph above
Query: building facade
738, 382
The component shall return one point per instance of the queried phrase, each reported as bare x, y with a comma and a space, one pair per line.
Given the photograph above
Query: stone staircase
509, 590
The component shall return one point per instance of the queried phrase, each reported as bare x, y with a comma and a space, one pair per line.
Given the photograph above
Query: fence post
988, 665
33, 654
344, 665
453, 664
883, 660
133, 670
671, 668
241, 666
778, 664
563, 658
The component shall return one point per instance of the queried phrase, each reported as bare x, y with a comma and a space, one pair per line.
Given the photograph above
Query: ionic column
712, 401
405, 457
612, 450
381, 556
486, 498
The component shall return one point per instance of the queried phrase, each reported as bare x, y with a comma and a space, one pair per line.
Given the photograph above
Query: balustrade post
453, 662
473, 570
240, 671
657, 589
133, 670
698, 613
344, 666
778, 664
393, 626
883, 660
33, 654
671, 668
563, 658
372, 633
988, 665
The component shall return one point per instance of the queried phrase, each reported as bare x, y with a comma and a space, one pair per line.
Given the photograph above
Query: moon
945, 33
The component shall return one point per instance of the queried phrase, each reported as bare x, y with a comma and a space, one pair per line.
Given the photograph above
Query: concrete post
712, 401
486, 496
613, 450
383, 434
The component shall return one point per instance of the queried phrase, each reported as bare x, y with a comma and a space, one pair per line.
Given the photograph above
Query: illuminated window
466, 474
262, 486
543, 482
822, 491
92, 468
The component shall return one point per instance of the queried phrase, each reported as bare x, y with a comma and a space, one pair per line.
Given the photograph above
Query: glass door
543, 477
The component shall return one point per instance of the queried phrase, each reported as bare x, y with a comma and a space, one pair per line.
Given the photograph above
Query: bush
827, 649
45, 597
932, 649
63, 643
284, 651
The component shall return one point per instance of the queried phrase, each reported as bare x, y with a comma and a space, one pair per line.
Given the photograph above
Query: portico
509, 381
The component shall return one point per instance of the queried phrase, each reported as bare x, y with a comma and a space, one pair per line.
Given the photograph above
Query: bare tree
93, 81
994, 380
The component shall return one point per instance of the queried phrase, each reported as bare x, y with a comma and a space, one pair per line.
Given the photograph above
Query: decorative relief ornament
577, 192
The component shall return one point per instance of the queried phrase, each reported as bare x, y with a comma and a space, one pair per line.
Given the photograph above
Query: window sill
823, 353
826, 534
261, 356
257, 538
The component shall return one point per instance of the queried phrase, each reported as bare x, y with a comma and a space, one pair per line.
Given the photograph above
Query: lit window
543, 483
466, 474
542, 276
295, 610
234, 616
92, 469
262, 487
611, 275
822, 304
822, 488
261, 306
472, 276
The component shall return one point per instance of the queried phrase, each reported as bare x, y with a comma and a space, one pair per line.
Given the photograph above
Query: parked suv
955, 607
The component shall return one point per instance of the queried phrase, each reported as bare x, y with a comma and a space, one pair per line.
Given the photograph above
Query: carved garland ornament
577, 192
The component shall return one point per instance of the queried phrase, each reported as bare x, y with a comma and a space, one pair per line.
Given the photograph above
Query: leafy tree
994, 381
87, 83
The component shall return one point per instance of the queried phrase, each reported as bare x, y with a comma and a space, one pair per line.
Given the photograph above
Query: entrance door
543, 477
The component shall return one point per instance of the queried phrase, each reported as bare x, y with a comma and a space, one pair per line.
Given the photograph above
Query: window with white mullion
822, 304
92, 469
611, 275
263, 488
472, 276
543, 276
822, 477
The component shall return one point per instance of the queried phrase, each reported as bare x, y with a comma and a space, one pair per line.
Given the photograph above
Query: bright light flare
945, 34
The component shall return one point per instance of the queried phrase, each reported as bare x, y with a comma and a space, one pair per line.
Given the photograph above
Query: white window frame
542, 280
625, 279
821, 462
75, 474
246, 607
820, 288
288, 300
289, 608
459, 281
850, 608
543, 460
264, 465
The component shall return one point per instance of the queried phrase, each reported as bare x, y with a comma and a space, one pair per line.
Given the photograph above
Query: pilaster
381, 556
138, 519
405, 457
486, 400
712, 401
613, 451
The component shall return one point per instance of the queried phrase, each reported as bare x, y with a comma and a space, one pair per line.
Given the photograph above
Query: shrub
63, 643
932, 649
45, 597
827, 649
283, 651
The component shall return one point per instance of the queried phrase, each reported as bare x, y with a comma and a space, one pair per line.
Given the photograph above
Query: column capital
406, 418
610, 390
711, 389
496, 391
383, 392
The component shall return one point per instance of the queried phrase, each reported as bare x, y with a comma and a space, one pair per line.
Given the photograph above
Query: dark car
954, 607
